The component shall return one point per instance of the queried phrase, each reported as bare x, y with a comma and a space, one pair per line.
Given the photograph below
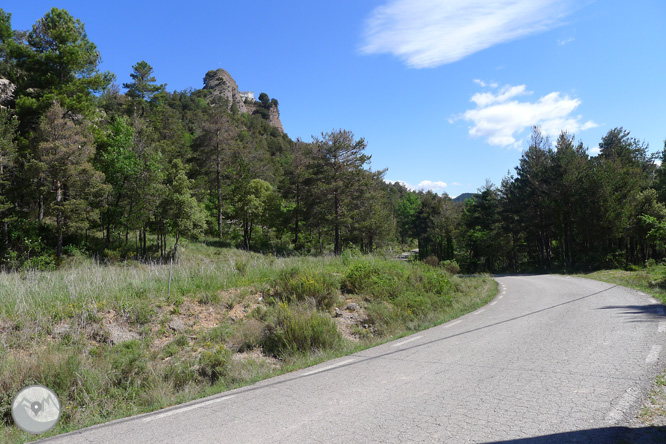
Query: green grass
232, 318
651, 280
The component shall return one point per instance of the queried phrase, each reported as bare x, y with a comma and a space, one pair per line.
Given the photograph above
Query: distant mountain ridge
463, 197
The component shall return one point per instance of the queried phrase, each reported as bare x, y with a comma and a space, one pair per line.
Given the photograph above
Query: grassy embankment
650, 280
111, 343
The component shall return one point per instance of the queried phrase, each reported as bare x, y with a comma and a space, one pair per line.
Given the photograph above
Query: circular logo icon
36, 409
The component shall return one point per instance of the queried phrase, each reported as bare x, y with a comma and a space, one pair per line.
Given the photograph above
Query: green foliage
358, 277
295, 330
299, 285
451, 267
209, 298
215, 364
60, 64
130, 365
142, 87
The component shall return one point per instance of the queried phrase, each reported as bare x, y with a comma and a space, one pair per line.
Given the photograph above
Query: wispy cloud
430, 33
562, 42
502, 120
424, 185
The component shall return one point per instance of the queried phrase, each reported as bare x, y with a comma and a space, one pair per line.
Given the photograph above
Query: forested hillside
126, 172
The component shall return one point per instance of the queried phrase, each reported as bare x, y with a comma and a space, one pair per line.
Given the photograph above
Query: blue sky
444, 92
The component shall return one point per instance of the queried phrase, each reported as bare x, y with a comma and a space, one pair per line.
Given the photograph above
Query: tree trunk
218, 179
298, 204
59, 220
40, 216
337, 248
175, 248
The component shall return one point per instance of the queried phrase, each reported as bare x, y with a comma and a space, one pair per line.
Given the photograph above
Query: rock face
222, 86
274, 116
6, 92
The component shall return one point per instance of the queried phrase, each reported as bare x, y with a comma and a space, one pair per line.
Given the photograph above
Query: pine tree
340, 160
63, 164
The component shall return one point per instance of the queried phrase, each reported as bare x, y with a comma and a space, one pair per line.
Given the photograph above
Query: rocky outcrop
6, 92
222, 87
273, 114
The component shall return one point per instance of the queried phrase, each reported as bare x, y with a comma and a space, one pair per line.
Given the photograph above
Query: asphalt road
550, 359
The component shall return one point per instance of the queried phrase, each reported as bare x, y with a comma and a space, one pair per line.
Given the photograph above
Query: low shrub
214, 364
383, 318
179, 374
300, 285
247, 335
294, 330
431, 260
130, 364
451, 267
209, 298
141, 314
382, 280
357, 277
173, 347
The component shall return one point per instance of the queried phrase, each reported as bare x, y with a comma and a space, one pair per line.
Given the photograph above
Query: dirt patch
258, 356
350, 319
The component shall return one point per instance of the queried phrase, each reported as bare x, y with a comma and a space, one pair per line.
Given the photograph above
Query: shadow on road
606, 435
653, 312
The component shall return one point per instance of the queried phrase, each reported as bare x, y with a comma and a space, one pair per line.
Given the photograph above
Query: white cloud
502, 121
506, 93
562, 42
424, 185
430, 33
595, 151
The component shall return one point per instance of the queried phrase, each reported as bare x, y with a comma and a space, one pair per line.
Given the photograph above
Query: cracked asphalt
550, 359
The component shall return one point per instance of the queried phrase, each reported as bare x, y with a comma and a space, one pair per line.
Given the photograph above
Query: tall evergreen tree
58, 62
64, 163
341, 159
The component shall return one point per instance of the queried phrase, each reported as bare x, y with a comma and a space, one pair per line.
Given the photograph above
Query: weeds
299, 285
297, 329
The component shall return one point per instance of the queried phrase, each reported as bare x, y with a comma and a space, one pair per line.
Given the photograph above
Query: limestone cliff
274, 115
6, 92
222, 86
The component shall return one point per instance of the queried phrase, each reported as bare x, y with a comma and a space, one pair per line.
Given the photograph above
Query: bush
141, 314
357, 277
214, 364
298, 330
431, 260
209, 298
177, 344
130, 364
451, 267
296, 285
247, 335
383, 317
179, 374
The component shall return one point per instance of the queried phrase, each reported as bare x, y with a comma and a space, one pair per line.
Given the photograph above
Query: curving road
550, 359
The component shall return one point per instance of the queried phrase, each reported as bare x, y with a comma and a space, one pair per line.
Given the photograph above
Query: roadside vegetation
112, 342
650, 279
